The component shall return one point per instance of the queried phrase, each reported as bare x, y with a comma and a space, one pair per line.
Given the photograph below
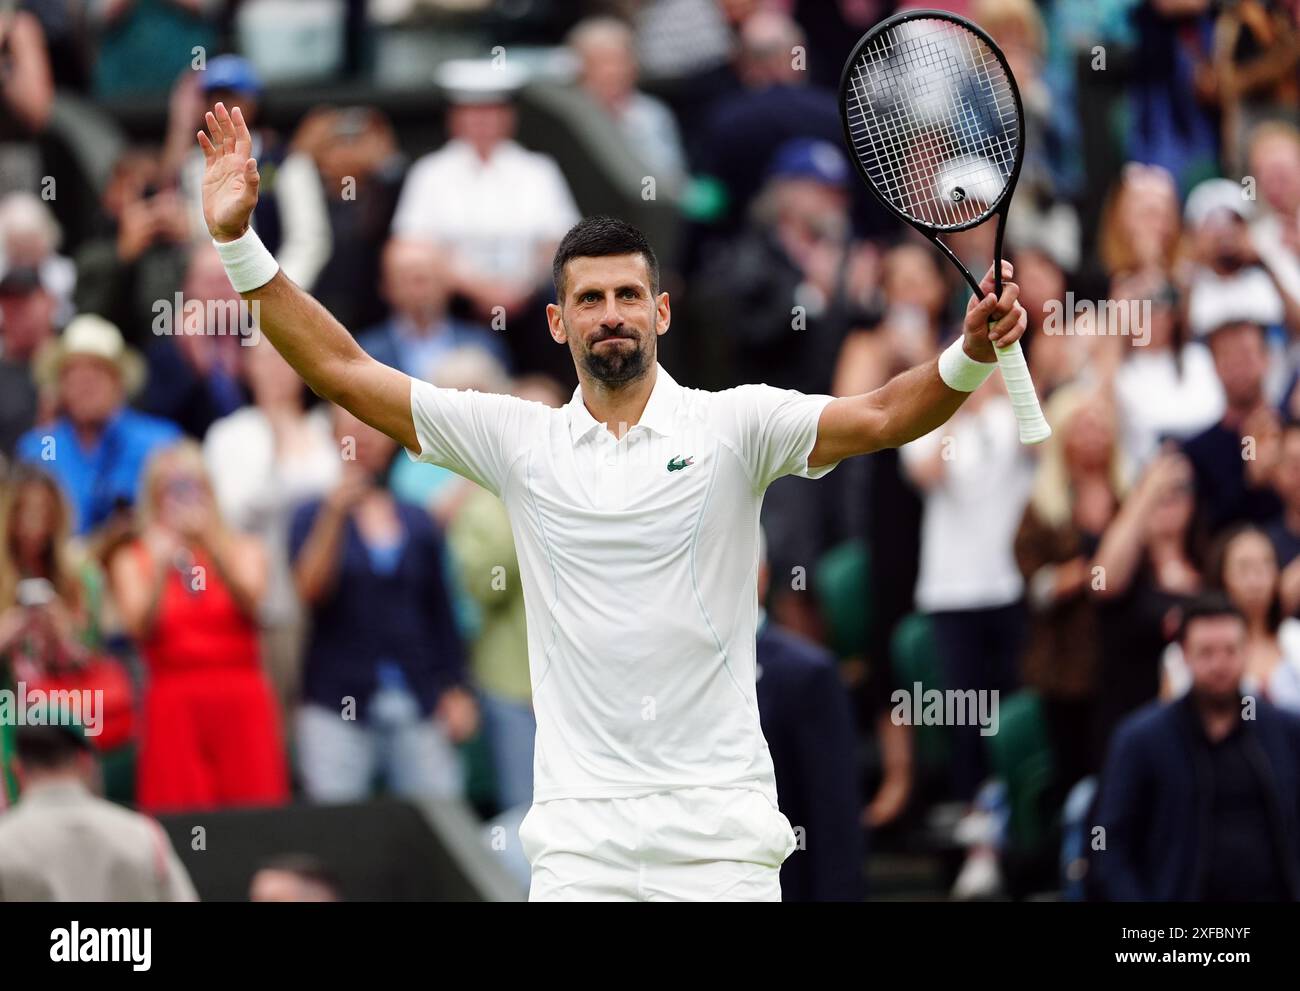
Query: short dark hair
599, 237
303, 865
1209, 605
48, 748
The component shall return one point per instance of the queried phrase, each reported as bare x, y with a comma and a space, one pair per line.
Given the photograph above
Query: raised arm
916, 401
319, 348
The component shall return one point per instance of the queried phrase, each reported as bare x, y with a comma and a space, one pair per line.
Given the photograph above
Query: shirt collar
657, 415
505, 151
54, 791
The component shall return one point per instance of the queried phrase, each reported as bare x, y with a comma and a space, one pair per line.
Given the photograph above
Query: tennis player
635, 514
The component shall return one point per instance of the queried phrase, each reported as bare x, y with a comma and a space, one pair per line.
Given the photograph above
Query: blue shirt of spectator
397, 344
107, 475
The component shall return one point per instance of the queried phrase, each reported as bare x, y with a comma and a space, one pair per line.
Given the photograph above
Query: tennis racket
933, 119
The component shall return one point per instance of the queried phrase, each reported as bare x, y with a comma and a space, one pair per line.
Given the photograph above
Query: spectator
294, 878
291, 216
1077, 489
1234, 458
135, 254
969, 583
61, 843
382, 683
793, 282
26, 96
745, 129
195, 374
806, 720
29, 238
362, 169
49, 597
1149, 565
187, 590
26, 325
1244, 568
1198, 802
1167, 388
1275, 165
52, 636
1140, 223
417, 281
606, 50
97, 447
265, 460
499, 209
1225, 275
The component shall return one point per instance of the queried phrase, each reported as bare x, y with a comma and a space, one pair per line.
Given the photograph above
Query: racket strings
912, 66
933, 121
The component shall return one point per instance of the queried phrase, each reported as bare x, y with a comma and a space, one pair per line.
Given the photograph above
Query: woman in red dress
188, 591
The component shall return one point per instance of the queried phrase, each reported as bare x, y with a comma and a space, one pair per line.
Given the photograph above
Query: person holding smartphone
188, 590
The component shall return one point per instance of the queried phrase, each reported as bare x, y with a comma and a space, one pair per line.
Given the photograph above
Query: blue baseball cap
232, 72
810, 158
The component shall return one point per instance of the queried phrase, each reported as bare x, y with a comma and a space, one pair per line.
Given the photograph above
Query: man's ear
664, 314
555, 323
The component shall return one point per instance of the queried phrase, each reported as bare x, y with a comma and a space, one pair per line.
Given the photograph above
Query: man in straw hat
97, 448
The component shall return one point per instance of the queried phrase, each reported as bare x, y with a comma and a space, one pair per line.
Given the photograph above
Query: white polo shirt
638, 559
495, 215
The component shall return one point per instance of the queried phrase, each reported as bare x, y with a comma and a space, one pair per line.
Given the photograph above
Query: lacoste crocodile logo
678, 463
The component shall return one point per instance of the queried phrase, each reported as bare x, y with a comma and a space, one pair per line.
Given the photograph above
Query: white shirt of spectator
638, 559
496, 216
1266, 235
1156, 401
970, 518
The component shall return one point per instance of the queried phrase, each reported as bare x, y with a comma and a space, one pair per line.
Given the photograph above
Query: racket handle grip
1034, 428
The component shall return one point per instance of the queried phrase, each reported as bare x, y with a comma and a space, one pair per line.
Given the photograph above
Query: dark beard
615, 367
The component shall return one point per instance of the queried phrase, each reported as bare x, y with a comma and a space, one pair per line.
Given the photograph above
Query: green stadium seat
915, 658
1021, 755
843, 586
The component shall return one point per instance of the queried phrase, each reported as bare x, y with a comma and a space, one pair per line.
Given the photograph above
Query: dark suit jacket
808, 725
1154, 802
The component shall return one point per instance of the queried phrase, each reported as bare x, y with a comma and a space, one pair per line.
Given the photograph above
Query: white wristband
248, 264
962, 372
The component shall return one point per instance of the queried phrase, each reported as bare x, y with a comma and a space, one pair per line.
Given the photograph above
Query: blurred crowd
238, 565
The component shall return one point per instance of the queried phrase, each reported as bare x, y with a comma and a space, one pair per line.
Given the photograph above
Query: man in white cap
98, 446
498, 208
1229, 270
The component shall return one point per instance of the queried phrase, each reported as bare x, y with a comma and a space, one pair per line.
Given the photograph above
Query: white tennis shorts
691, 844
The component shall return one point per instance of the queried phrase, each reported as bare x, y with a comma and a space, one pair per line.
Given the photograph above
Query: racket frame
1011, 358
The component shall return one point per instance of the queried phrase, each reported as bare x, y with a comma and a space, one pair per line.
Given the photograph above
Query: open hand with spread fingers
230, 178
